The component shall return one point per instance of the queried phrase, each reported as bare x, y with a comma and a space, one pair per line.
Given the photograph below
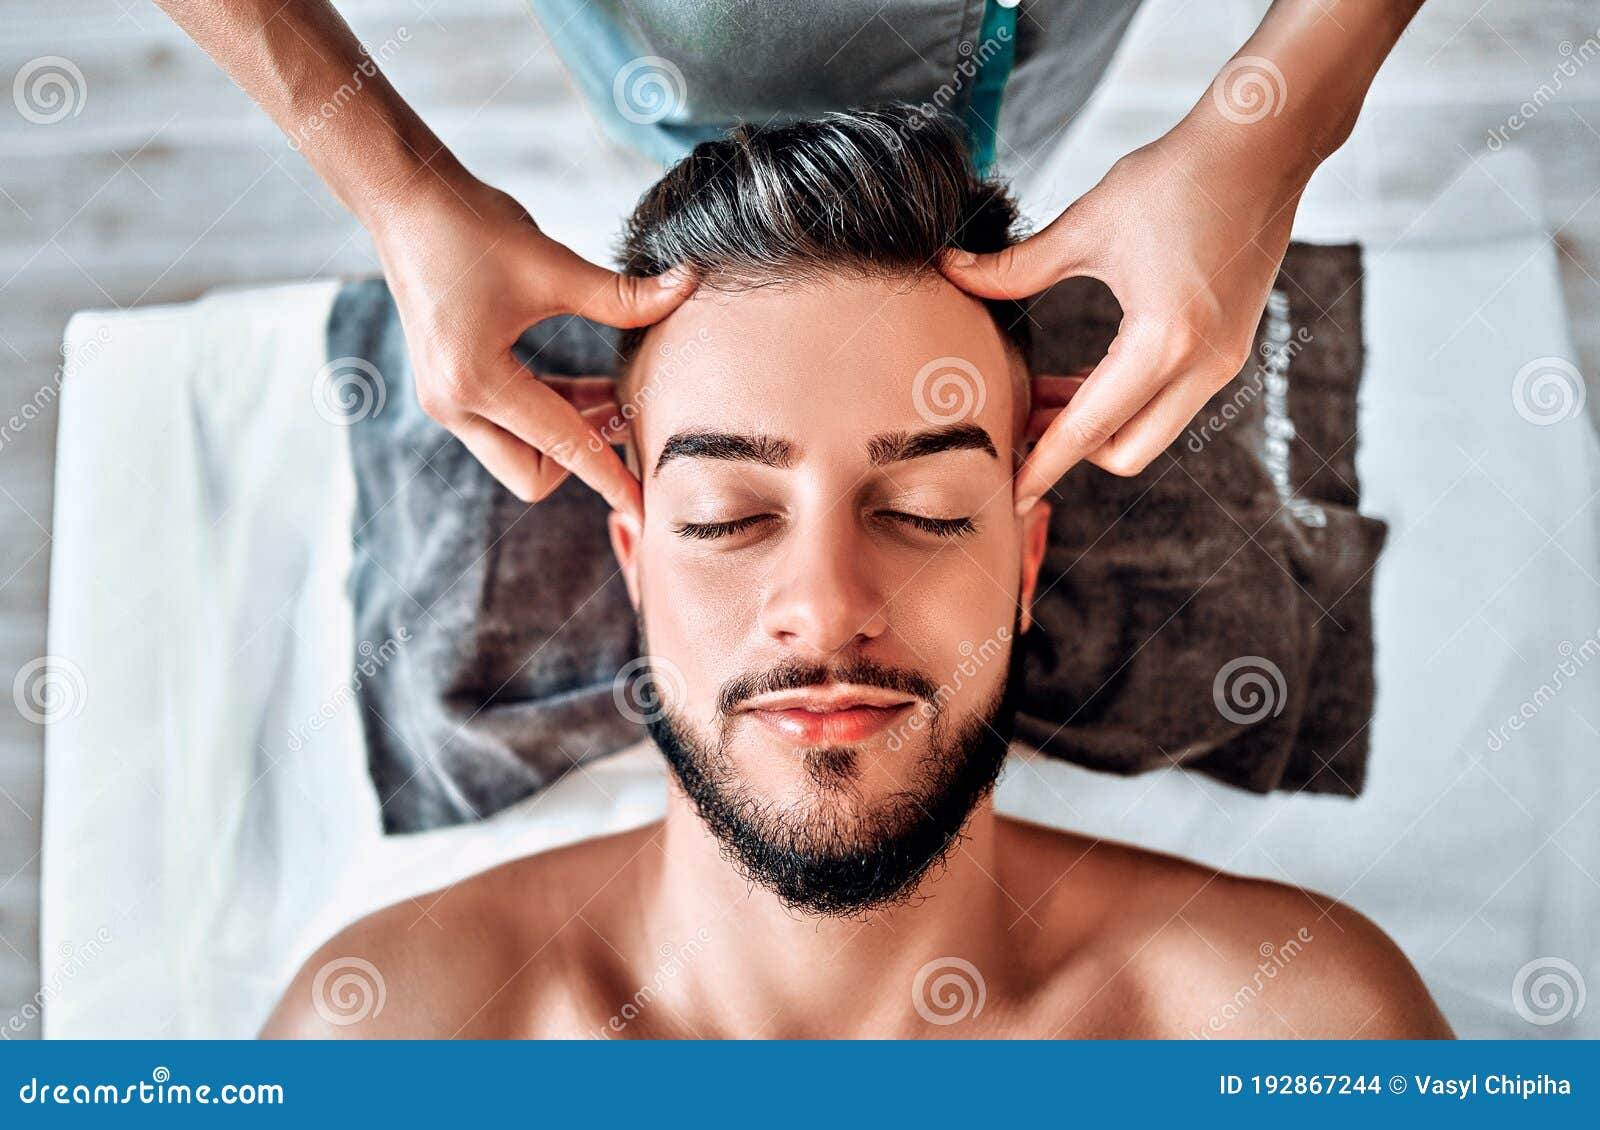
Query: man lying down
829, 549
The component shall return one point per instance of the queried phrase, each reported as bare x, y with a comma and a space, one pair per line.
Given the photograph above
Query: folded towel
1216, 611
1213, 612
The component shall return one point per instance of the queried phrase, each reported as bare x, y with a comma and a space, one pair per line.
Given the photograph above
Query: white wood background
167, 182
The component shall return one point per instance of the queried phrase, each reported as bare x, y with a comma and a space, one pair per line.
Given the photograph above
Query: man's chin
852, 779
838, 829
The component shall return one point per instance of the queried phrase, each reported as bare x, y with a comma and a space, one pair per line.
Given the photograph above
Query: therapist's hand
1190, 243
1188, 232
470, 271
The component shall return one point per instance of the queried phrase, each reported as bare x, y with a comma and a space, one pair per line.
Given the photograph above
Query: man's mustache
793, 675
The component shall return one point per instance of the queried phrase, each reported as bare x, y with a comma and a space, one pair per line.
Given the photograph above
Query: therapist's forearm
1327, 52
302, 64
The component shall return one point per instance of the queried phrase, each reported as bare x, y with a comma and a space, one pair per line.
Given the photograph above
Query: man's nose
825, 593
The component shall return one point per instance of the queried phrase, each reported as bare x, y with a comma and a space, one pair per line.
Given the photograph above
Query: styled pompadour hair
879, 193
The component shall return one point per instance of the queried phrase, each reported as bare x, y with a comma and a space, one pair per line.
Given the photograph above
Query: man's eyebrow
770, 451
894, 447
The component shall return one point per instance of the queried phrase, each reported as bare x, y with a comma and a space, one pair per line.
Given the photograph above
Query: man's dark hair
879, 192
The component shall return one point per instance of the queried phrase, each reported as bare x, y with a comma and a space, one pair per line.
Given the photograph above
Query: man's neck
766, 970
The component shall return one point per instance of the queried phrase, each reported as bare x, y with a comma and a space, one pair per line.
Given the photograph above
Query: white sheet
192, 859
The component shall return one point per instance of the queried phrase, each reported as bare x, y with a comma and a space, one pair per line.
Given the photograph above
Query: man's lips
836, 727
829, 715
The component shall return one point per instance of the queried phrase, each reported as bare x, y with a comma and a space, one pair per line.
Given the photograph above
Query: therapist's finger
518, 467
511, 461
1037, 263
1124, 382
1049, 395
1155, 426
623, 301
608, 420
539, 417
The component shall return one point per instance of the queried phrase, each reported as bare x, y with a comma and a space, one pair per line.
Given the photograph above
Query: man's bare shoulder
475, 958
1174, 948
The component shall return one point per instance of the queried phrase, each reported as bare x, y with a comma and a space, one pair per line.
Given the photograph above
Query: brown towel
1215, 611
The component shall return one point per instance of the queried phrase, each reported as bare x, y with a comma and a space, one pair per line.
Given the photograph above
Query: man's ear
1035, 536
625, 536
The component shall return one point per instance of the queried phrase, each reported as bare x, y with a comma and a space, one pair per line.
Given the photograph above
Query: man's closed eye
922, 523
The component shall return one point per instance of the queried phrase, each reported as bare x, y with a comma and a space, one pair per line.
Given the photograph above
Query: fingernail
1026, 504
961, 258
672, 279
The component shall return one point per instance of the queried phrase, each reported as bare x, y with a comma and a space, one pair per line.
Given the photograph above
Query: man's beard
827, 861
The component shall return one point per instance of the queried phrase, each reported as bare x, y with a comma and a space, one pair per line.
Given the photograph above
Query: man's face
830, 574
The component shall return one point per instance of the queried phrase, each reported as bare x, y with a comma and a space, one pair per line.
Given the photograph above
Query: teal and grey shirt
665, 74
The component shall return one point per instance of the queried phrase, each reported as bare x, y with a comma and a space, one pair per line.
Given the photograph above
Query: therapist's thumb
623, 301
1021, 270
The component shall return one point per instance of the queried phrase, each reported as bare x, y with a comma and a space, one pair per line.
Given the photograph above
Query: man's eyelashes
938, 527
706, 531
943, 527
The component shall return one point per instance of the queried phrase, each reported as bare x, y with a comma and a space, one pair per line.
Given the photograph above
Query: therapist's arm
1189, 232
469, 268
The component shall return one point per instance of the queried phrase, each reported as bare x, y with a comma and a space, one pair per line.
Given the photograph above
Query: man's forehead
848, 357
